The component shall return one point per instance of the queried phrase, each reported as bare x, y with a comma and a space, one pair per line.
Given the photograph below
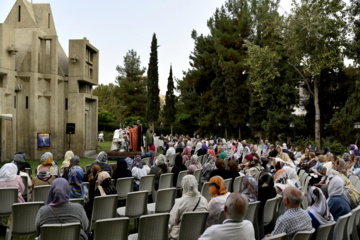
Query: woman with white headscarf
208, 167
190, 201
9, 178
318, 209
339, 204
198, 148
292, 176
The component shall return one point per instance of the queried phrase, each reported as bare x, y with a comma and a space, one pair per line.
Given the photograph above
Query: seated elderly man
234, 226
294, 219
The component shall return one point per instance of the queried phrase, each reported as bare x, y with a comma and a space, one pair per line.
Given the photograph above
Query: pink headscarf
212, 152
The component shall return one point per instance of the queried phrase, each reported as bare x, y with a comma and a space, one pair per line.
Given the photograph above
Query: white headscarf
336, 187
8, 172
319, 207
291, 173
190, 186
198, 147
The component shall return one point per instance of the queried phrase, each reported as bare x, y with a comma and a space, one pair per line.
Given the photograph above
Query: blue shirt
339, 205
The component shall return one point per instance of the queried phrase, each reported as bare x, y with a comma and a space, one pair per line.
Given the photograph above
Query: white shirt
216, 205
229, 230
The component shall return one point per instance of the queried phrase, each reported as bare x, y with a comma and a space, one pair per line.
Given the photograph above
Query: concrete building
42, 88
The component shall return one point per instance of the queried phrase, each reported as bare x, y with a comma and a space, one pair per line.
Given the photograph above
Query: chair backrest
172, 160
192, 225
23, 217
228, 184
325, 231
165, 200
103, 207
181, 175
356, 212
353, 179
281, 236
270, 209
154, 226
187, 163
252, 211
28, 171
147, 161
351, 222
111, 228
238, 184
147, 183
25, 182
9, 196
124, 186
87, 185
340, 230
136, 204
41, 193
77, 200
281, 208
304, 235
68, 231
197, 175
357, 186
205, 190
226, 161
306, 184
221, 217
166, 180
87, 167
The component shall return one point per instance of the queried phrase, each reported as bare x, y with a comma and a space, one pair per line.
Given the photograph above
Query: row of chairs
150, 227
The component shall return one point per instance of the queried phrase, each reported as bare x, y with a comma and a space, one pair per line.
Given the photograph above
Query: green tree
314, 34
230, 26
353, 49
169, 108
153, 99
132, 86
109, 99
104, 117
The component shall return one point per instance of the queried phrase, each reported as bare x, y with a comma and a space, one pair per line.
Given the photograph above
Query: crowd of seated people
267, 170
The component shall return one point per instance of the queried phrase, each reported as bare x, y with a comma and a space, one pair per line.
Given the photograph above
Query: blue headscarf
77, 189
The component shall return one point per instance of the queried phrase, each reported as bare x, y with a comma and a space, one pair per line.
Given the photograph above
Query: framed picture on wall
43, 140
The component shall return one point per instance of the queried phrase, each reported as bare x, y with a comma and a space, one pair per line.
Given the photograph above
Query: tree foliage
170, 99
132, 86
109, 99
153, 99
104, 117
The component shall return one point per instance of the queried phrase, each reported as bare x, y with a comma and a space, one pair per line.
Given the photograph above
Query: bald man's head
236, 206
293, 197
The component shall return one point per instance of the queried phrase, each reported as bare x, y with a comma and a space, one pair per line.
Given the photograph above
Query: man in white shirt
234, 227
170, 151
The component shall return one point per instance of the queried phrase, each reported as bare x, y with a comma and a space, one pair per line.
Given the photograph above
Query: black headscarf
121, 171
266, 191
178, 167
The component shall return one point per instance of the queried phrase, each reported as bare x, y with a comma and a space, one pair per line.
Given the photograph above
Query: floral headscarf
44, 174
77, 189
47, 163
137, 162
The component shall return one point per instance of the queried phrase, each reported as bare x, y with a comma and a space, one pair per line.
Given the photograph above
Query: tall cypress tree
169, 108
153, 99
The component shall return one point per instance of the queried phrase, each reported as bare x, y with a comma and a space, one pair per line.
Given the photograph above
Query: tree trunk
239, 133
153, 126
317, 113
225, 133
171, 129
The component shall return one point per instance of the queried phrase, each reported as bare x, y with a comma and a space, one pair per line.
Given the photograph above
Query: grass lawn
103, 146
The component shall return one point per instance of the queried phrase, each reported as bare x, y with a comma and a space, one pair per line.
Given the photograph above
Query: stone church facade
42, 88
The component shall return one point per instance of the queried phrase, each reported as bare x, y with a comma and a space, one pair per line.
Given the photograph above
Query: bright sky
114, 27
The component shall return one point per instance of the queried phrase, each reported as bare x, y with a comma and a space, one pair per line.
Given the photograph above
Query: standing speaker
70, 128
